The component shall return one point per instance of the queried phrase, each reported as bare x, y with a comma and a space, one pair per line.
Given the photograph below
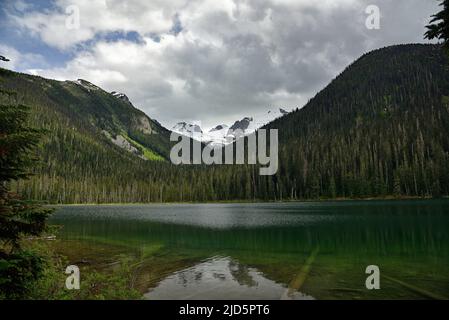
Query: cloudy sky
213, 61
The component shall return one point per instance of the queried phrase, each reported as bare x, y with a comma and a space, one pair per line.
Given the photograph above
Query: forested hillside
381, 128
91, 135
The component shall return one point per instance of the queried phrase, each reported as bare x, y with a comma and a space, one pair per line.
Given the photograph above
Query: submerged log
298, 281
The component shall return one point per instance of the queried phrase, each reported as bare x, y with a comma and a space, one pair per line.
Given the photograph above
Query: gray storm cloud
227, 59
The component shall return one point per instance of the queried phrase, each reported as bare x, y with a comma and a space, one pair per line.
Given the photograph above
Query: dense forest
381, 128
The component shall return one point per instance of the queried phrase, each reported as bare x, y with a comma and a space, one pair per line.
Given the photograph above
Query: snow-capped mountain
246, 124
223, 134
184, 127
189, 129
218, 134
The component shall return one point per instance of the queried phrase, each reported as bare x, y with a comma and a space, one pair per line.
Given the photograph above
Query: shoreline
369, 199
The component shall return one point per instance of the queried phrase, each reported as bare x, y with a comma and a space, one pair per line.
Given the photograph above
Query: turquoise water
275, 250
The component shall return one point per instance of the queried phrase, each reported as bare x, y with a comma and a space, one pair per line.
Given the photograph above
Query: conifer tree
439, 26
18, 218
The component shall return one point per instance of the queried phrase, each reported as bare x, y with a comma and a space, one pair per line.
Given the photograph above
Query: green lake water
269, 250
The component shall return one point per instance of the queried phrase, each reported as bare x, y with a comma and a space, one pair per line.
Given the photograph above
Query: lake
269, 250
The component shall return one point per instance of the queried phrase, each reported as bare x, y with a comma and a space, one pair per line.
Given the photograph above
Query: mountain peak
242, 124
187, 128
86, 85
223, 134
121, 96
218, 128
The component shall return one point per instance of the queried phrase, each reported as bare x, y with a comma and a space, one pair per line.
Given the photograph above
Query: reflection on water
268, 245
219, 278
215, 216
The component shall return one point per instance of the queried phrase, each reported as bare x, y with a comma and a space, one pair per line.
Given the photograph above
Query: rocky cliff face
143, 125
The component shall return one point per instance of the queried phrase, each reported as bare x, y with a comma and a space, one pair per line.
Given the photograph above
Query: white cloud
233, 58
99, 16
18, 60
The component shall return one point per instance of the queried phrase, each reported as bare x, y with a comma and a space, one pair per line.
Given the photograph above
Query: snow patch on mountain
184, 127
121, 96
189, 129
86, 85
223, 134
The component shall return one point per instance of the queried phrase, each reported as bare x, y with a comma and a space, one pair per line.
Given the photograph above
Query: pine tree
332, 188
18, 218
439, 26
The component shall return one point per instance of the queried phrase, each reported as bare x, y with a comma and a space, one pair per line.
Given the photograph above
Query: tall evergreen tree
18, 218
439, 26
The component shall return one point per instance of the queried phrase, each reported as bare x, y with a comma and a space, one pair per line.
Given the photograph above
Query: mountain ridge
379, 129
94, 109
223, 134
